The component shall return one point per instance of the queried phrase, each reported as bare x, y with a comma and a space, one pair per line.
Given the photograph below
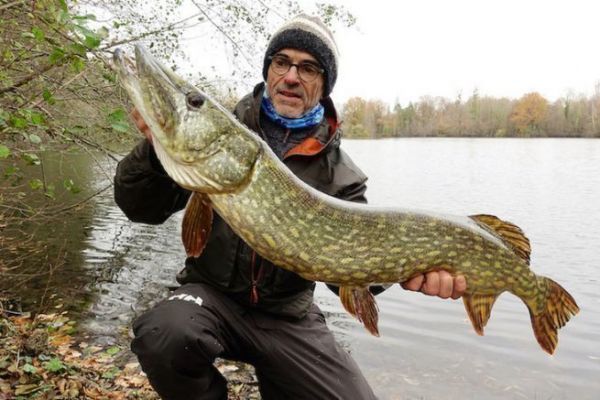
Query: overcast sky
402, 50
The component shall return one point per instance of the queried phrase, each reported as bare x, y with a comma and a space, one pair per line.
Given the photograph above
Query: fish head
201, 145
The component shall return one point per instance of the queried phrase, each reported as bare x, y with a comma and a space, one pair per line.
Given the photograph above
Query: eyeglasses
307, 71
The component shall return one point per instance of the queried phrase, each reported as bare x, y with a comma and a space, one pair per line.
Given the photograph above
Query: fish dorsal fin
510, 234
360, 302
197, 223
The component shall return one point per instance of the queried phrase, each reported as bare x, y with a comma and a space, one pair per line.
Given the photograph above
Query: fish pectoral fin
197, 223
510, 234
360, 302
479, 308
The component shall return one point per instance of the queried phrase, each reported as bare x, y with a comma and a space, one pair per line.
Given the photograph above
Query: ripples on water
135, 264
427, 348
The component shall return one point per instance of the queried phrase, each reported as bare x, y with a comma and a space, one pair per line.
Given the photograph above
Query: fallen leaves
40, 360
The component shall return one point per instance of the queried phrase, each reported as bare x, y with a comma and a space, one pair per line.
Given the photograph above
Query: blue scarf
310, 118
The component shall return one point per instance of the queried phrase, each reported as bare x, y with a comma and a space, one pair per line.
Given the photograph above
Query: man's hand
141, 124
437, 283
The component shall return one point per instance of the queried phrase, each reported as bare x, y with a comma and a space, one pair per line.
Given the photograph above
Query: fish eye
195, 100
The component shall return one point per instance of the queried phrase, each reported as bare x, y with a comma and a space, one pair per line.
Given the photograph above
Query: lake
427, 349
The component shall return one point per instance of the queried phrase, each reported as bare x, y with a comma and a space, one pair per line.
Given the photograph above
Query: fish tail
556, 312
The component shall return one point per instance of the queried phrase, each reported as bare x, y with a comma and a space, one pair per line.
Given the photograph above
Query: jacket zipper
255, 279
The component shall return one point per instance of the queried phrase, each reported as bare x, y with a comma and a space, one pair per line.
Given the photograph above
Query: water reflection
48, 249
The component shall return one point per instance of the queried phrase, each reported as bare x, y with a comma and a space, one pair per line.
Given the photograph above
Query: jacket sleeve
143, 190
352, 181
354, 192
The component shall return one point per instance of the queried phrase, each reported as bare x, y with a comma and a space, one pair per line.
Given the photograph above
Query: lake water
427, 348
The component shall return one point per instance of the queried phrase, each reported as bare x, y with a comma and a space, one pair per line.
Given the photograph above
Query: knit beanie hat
309, 34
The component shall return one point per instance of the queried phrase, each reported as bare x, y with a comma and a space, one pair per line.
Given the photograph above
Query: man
232, 303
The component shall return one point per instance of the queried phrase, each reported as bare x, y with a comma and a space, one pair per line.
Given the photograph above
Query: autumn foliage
42, 358
477, 116
39, 359
528, 113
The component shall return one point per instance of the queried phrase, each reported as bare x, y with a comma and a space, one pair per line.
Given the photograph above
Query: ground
44, 358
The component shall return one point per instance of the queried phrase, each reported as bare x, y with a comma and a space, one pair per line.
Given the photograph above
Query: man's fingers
446, 284
414, 284
460, 286
432, 284
438, 283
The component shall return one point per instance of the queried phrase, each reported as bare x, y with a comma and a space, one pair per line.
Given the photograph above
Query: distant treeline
479, 116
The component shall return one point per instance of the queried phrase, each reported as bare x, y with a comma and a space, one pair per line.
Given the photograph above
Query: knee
176, 334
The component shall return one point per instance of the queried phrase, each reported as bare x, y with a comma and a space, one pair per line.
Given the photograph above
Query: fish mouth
135, 76
149, 66
127, 73
156, 91
159, 95
193, 135
146, 65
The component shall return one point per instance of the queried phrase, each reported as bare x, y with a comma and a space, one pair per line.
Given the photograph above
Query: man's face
290, 95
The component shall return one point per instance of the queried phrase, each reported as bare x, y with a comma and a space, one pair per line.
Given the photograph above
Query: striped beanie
309, 34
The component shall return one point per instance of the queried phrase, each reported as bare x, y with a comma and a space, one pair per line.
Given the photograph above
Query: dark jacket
146, 194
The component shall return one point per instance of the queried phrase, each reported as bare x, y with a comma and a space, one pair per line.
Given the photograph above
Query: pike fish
231, 170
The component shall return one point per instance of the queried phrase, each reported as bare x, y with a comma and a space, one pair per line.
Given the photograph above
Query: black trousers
177, 342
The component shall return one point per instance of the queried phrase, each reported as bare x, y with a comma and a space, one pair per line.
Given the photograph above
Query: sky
403, 50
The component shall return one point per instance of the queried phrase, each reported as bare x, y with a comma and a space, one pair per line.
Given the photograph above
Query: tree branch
271, 9
64, 209
9, 5
62, 86
233, 42
89, 143
150, 33
27, 79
